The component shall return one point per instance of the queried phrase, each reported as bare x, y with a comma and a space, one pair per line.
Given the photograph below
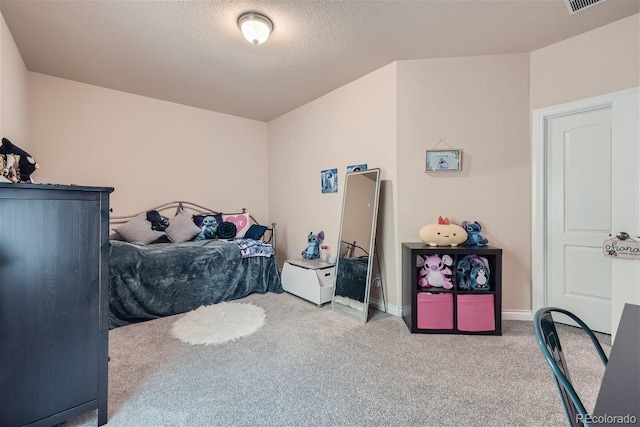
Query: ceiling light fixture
255, 27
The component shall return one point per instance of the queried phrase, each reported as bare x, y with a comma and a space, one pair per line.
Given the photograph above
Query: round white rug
218, 323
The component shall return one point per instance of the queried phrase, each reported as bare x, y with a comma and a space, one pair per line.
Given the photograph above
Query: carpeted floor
310, 366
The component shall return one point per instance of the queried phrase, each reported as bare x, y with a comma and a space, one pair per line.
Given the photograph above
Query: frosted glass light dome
255, 27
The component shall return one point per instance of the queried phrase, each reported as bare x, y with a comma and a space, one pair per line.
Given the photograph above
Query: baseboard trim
525, 315
380, 306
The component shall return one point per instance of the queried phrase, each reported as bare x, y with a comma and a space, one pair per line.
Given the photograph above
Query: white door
579, 215
592, 192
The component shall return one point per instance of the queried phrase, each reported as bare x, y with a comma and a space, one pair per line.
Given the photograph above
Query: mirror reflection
356, 244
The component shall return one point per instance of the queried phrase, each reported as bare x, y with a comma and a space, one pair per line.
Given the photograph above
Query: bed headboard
169, 210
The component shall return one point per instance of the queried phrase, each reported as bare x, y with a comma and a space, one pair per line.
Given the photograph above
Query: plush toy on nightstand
313, 248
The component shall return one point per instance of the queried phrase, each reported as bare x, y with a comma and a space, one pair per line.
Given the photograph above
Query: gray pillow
181, 228
139, 231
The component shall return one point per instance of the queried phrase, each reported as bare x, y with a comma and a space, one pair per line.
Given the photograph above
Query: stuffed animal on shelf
443, 233
313, 248
463, 273
472, 273
473, 234
434, 271
480, 278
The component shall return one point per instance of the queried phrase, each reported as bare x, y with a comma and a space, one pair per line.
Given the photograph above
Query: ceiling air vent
578, 5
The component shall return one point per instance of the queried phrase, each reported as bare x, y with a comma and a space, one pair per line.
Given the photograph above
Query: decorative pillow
241, 222
227, 230
139, 231
208, 226
255, 232
182, 228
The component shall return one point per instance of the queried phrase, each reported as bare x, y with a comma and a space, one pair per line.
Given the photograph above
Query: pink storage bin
435, 311
476, 313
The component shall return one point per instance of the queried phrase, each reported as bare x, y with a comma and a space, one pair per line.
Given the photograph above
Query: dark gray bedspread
163, 279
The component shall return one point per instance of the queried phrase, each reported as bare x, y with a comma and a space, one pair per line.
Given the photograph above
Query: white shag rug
218, 323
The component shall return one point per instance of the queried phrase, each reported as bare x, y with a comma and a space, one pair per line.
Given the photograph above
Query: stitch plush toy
434, 271
463, 273
208, 227
313, 248
472, 273
473, 234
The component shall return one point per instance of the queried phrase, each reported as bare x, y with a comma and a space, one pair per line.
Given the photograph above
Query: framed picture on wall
329, 180
356, 168
444, 160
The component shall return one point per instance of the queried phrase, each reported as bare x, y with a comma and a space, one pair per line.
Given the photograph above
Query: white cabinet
309, 279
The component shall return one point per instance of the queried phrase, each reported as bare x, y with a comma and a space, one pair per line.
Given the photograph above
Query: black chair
549, 343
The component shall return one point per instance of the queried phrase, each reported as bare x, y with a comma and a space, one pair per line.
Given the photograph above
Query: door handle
622, 235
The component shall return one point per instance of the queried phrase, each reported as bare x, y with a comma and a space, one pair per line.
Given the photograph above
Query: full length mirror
356, 244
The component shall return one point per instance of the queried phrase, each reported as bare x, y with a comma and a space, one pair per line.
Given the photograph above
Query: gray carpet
310, 366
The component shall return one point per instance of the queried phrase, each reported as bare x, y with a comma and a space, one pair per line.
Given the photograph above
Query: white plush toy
443, 233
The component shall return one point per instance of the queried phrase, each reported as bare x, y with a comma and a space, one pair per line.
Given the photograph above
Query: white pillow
139, 231
182, 228
241, 221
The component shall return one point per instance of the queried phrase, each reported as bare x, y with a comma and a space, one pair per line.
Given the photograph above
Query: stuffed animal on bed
434, 271
313, 247
208, 228
443, 233
473, 234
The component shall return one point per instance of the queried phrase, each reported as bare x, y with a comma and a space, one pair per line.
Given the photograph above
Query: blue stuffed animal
463, 273
472, 273
208, 228
313, 248
473, 234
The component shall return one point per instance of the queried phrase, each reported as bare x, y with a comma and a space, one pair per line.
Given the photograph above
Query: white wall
151, 151
13, 92
600, 61
352, 125
481, 106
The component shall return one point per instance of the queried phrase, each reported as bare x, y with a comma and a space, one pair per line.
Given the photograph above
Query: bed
149, 280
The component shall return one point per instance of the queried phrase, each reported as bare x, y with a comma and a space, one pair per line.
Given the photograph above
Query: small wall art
329, 180
444, 160
356, 168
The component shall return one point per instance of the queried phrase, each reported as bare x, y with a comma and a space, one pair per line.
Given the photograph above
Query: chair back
549, 343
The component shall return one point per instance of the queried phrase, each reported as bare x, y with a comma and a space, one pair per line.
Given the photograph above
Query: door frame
539, 268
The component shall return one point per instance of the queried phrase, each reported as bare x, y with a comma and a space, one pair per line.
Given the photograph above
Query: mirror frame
363, 315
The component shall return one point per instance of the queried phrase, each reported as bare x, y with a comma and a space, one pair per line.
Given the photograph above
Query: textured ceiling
192, 52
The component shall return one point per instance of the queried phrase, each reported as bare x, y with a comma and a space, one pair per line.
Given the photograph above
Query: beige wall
13, 92
351, 125
600, 61
481, 106
151, 151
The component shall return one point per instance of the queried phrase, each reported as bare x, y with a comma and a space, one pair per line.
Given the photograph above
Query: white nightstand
309, 279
